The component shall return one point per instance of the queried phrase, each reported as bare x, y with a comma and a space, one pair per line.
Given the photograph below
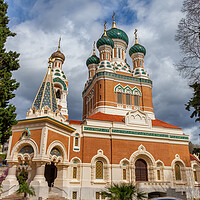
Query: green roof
92, 60
137, 48
105, 40
117, 33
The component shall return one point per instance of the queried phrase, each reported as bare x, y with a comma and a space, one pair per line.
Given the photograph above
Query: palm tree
123, 192
26, 189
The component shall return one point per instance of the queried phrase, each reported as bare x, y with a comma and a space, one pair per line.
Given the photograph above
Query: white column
39, 182
10, 184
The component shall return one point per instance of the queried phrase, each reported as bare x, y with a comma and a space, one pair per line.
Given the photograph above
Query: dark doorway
50, 173
156, 194
141, 170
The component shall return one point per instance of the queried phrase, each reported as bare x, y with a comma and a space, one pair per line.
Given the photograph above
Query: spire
59, 44
94, 49
46, 94
136, 42
114, 25
105, 29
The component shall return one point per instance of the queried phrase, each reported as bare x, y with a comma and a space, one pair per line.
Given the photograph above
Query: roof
192, 157
46, 94
119, 118
75, 122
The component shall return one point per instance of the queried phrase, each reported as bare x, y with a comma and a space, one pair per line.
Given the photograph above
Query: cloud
40, 24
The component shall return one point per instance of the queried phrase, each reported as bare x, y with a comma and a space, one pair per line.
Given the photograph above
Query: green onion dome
105, 40
92, 60
137, 48
118, 34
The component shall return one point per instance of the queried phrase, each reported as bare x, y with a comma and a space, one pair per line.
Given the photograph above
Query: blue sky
40, 23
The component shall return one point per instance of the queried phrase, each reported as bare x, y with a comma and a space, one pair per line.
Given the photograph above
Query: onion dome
93, 59
137, 48
58, 53
105, 39
114, 32
118, 34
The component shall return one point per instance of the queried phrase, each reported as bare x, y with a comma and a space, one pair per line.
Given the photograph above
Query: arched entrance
141, 170
50, 173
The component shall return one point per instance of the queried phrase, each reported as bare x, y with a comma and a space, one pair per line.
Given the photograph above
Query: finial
136, 42
94, 48
59, 44
114, 26
105, 29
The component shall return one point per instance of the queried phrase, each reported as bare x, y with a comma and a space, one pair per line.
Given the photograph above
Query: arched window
141, 170
58, 95
128, 99
177, 172
74, 172
119, 53
119, 98
99, 170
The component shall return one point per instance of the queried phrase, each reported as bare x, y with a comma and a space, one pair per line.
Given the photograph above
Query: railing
8, 189
53, 186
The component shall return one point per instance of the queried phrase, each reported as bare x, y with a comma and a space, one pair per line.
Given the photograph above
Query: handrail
8, 189
60, 189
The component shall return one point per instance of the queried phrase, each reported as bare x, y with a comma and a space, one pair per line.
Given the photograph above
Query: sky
39, 24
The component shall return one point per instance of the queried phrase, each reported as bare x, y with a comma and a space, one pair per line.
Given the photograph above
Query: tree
188, 37
123, 192
24, 188
195, 102
8, 63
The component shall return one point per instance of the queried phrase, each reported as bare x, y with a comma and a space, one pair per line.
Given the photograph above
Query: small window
99, 170
33, 111
177, 172
100, 86
128, 99
124, 174
119, 53
45, 111
74, 172
97, 195
136, 100
195, 176
106, 56
111, 54
140, 63
58, 94
119, 98
158, 174
55, 64
74, 195
100, 97
76, 141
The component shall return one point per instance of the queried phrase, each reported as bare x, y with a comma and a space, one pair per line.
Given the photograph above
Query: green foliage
3, 155
26, 189
8, 63
123, 192
23, 185
195, 102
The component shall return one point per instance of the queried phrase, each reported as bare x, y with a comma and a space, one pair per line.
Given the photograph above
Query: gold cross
136, 42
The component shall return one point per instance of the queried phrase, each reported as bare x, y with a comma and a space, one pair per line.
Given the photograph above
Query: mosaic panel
26, 149
55, 151
39, 96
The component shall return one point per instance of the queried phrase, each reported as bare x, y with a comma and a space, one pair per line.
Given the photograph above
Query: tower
114, 88
51, 99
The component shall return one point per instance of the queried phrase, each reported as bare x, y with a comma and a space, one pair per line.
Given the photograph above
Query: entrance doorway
141, 170
50, 173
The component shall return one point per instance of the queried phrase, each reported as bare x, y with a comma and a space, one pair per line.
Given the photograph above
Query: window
119, 98
34, 111
74, 172
124, 174
140, 63
115, 52
111, 54
128, 99
119, 53
99, 170
136, 100
55, 64
100, 97
195, 175
58, 94
99, 196
158, 174
100, 86
45, 111
177, 172
76, 141
74, 195
141, 170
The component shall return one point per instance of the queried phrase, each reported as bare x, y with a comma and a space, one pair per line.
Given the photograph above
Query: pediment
138, 118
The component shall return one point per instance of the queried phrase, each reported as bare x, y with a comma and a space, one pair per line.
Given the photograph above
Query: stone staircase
55, 196
14, 196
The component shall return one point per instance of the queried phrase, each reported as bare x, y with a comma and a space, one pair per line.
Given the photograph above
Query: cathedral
119, 139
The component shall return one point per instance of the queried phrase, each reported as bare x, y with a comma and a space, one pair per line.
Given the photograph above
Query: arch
75, 159
136, 91
58, 80
100, 155
127, 89
177, 159
119, 88
20, 144
60, 146
124, 160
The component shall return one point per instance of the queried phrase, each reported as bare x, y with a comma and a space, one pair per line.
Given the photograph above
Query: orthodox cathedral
119, 139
